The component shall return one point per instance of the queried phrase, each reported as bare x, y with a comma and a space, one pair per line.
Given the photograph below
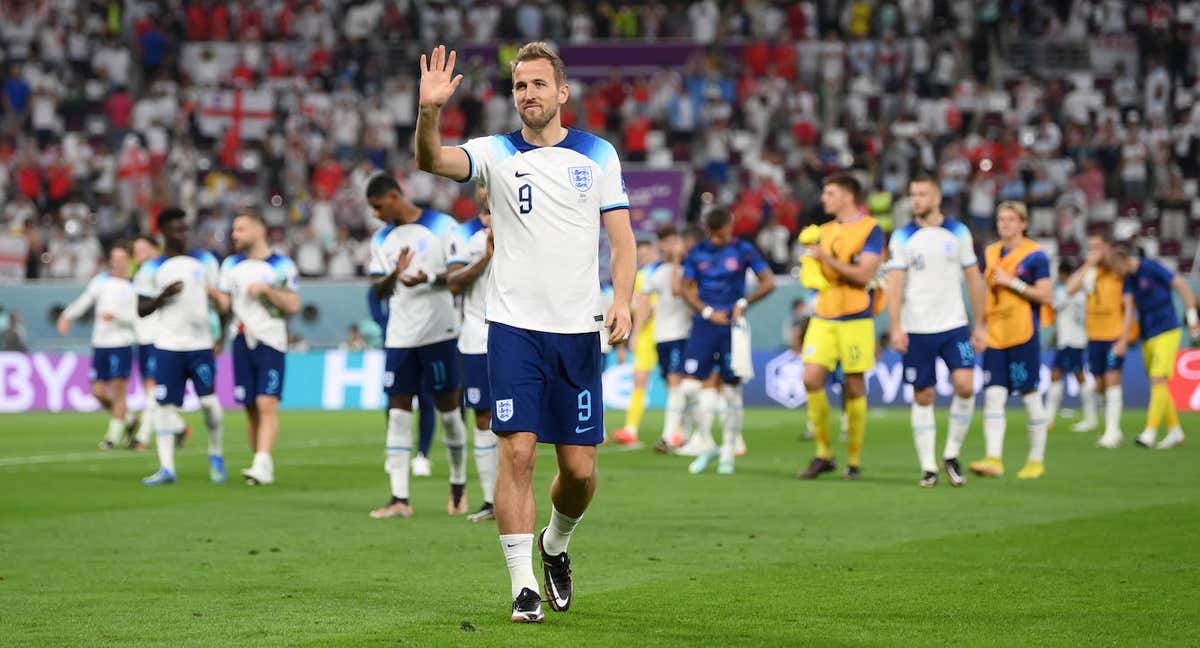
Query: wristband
1018, 285
707, 312
1192, 317
743, 304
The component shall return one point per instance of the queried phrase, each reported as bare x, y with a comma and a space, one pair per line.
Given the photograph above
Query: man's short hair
927, 179
717, 218
1016, 206
667, 230
541, 50
381, 184
1124, 249
170, 214
848, 183
254, 216
1067, 265
147, 238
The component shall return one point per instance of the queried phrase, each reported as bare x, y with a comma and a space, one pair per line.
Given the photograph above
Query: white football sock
732, 396
116, 427
558, 532
1087, 401
924, 431
262, 461
962, 410
690, 388
487, 457
456, 441
146, 426
673, 416
706, 405
1054, 397
399, 447
167, 425
993, 420
1037, 425
213, 418
518, 553
1113, 404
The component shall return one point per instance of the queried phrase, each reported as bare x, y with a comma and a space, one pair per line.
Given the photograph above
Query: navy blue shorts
478, 392
547, 383
256, 372
1018, 368
146, 360
433, 368
920, 363
115, 362
670, 357
707, 350
1100, 358
1068, 360
172, 370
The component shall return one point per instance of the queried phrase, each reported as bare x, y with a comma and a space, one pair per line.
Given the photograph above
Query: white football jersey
546, 204
672, 315
112, 297
424, 314
469, 246
257, 318
183, 320
1069, 312
933, 259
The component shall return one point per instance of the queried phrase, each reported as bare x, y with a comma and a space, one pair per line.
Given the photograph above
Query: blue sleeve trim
973, 263
613, 207
454, 261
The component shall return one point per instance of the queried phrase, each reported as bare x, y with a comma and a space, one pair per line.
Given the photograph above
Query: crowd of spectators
101, 122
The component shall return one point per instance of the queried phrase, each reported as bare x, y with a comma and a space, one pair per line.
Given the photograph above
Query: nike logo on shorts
581, 431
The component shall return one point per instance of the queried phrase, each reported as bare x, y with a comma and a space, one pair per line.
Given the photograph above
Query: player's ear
564, 92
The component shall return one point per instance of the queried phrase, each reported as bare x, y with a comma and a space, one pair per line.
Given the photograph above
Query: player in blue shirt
714, 275
1149, 287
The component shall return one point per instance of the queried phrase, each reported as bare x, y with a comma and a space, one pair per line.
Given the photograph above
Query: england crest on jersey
504, 409
581, 177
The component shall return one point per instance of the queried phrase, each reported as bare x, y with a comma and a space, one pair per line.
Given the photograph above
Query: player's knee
400, 401
100, 389
213, 412
923, 397
965, 392
448, 401
483, 419
577, 472
264, 404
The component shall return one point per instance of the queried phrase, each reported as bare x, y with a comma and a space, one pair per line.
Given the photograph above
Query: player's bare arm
461, 276
438, 83
895, 298
1122, 344
219, 299
285, 300
858, 273
766, 284
387, 285
643, 309
1189, 304
977, 295
147, 305
1039, 292
624, 267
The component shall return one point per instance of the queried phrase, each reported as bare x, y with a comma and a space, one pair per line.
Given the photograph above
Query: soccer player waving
549, 189
928, 261
1019, 283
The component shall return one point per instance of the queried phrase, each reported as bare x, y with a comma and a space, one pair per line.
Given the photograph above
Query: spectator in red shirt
756, 56
326, 177
219, 22
637, 129
29, 180
251, 26
197, 23
119, 108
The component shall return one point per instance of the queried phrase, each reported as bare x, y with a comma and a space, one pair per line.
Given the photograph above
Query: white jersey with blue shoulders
469, 246
672, 315
546, 204
1069, 313
183, 321
116, 310
933, 259
256, 317
424, 314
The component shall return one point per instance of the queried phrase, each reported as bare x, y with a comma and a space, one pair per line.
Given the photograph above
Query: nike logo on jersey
578, 430
522, 175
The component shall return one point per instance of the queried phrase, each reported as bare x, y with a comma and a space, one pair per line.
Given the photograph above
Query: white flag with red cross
247, 113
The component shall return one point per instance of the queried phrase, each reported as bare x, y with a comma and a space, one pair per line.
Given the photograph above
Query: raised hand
438, 81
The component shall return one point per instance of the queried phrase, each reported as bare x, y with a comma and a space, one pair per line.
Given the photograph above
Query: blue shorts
172, 370
1068, 360
256, 372
433, 368
1019, 368
920, 363
146, 360
1100, 358
115, 362
547, 383
707, 350
478, 393
670, 357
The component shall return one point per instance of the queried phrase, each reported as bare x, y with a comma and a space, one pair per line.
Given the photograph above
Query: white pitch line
74, 457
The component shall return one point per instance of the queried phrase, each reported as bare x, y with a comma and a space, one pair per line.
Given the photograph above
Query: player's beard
921, 216
539, 124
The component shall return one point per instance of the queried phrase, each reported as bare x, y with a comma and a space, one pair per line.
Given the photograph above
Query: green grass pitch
1101, 552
